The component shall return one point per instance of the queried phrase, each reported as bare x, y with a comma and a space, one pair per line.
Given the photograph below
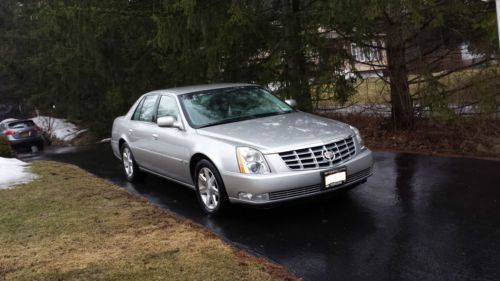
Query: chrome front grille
316, 189
312, 157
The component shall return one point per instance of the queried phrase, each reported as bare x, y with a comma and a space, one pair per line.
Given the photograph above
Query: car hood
280, 132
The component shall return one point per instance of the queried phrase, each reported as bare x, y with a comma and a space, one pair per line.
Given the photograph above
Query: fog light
251, 197
245, 196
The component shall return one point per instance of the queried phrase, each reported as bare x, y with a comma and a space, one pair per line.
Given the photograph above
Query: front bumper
291, 185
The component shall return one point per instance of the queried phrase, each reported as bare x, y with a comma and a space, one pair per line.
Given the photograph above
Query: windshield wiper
231, 120
242, 118
267, 114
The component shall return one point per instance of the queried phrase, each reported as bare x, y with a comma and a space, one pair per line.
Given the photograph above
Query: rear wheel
210, 189
130, 168
40, 146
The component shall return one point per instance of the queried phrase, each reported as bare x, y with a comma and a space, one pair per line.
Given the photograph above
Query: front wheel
210, 189
130, 168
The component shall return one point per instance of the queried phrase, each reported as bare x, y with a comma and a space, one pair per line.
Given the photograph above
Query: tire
213, 198
40, 146
130, 168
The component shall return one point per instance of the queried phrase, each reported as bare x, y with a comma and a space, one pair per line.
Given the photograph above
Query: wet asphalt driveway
417, 218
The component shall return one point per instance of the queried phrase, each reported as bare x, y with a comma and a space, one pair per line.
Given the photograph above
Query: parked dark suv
22, 134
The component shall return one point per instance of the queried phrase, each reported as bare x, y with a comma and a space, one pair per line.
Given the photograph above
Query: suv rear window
21, 124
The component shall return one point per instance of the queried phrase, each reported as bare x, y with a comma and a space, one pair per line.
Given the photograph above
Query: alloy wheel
208, 188
128, 162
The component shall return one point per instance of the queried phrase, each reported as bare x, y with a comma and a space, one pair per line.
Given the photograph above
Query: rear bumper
291, 185
25, 141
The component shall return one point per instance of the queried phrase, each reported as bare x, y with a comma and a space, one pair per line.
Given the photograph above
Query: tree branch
446, 73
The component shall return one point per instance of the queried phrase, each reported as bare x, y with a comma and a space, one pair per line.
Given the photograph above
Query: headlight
358, 137
251, 161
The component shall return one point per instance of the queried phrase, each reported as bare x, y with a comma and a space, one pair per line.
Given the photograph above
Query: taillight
38, 129
8, 132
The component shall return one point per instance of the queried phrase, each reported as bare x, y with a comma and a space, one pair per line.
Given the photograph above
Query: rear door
140, 130
131, 126
170, 144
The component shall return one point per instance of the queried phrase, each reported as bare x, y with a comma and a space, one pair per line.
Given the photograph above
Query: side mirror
166, 122
291, 102
169, 122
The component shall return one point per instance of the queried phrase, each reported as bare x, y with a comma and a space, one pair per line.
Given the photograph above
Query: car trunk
23, 129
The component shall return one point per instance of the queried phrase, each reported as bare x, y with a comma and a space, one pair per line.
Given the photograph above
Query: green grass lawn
70, 225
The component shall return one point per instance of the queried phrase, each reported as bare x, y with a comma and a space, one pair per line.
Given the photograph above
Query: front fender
221, 153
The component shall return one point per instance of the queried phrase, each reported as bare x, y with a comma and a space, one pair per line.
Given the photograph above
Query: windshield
214, 107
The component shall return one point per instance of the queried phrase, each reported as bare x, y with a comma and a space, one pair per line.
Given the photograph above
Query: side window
168, 107
137, 111
147, 109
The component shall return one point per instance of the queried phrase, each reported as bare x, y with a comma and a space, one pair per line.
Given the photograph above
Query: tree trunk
401, 102
295, 61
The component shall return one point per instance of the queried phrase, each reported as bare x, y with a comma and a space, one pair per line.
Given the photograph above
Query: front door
170, 144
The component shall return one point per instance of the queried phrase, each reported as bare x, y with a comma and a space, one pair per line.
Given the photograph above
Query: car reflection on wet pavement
417, 218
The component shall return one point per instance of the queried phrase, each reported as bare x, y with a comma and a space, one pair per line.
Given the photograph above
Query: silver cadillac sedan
238, 143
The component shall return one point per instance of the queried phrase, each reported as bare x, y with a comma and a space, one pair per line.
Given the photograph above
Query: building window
365, 54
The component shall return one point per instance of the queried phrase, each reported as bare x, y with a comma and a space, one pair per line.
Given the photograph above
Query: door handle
130, 131
155, 136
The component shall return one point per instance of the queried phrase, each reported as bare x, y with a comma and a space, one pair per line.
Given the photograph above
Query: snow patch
14, 172
58, 128
105, 140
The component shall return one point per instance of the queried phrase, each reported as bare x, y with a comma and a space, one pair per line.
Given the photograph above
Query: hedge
5, 149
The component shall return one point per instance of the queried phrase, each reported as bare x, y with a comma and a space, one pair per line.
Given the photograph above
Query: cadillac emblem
328, 155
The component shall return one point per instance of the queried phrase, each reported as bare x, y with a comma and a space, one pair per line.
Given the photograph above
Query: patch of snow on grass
58, 128
104, 140
14, 172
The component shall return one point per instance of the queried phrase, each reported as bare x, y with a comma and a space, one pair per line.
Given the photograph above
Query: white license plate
334, 178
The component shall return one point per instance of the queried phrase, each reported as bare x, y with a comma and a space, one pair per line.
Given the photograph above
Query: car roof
199, 88
5, 121
10, 121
